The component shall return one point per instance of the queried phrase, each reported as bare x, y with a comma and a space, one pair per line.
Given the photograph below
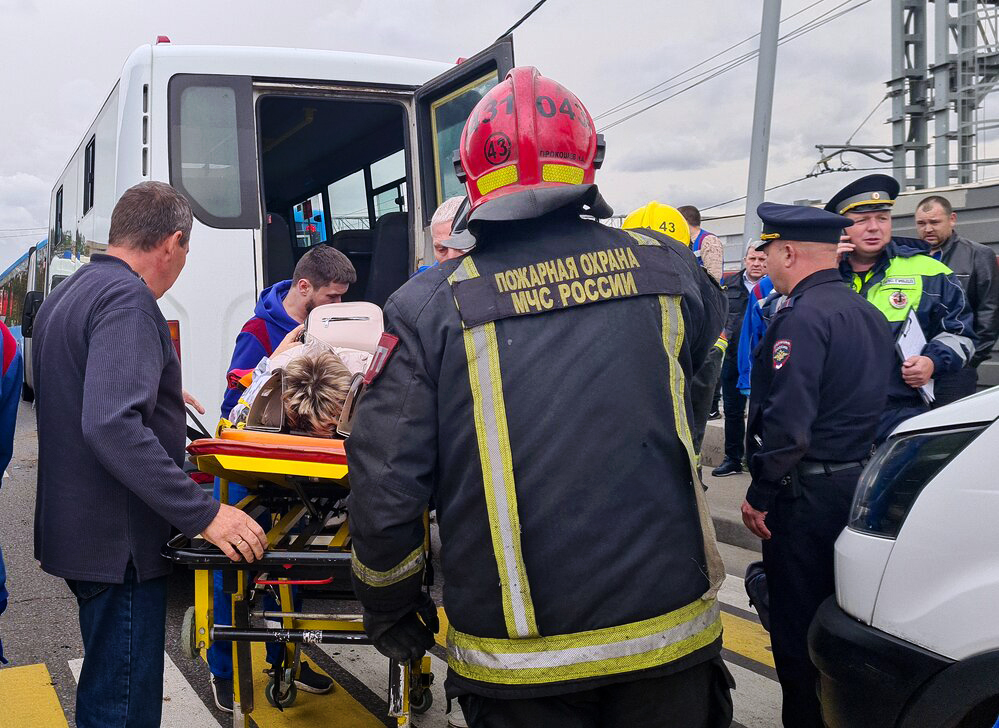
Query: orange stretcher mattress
248, 457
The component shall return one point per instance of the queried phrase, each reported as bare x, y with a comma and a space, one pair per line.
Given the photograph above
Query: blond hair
315, 387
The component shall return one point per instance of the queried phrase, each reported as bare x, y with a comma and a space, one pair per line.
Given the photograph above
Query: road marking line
756, 698
747, 638
182, 706
309, 709
29, 699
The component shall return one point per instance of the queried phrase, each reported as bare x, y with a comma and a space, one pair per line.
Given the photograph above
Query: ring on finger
237, 543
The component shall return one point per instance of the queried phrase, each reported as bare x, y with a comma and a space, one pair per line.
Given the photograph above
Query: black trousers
798, 560
698, 697
735, 409
952, 387
702, 390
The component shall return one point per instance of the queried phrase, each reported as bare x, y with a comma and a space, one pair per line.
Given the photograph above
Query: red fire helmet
527, 132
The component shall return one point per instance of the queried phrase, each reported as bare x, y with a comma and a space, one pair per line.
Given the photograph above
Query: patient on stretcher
315, 388
302, 388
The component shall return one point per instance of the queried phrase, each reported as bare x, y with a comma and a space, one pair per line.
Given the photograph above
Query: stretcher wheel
286, 697
420, 701
188, 639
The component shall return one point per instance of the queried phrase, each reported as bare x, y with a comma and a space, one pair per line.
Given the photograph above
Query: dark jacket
111, 430
587, 518
807, 400
734, 287
259, 336
976, 270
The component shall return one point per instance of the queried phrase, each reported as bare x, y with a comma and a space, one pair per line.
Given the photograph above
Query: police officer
818, 388
539, 394
897, 276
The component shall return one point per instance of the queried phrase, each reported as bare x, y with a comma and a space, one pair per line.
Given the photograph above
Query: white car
911, 638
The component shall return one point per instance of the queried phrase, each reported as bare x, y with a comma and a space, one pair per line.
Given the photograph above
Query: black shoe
310, 681
728, 467
714, 415
222, 692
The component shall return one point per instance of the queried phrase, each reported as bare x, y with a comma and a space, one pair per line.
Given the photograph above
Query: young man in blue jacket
322, 276
10, 391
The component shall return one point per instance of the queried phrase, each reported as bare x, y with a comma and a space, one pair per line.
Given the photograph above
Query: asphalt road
40, 631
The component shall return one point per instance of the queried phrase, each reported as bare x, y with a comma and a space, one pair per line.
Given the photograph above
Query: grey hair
447, 210
146, 214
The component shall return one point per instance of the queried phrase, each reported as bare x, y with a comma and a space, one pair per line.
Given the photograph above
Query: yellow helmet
661, 218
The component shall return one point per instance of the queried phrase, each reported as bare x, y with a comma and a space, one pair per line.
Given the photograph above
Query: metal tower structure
951, 92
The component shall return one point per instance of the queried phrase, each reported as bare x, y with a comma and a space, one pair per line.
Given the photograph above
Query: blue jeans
220, 653
123, 628
3, 600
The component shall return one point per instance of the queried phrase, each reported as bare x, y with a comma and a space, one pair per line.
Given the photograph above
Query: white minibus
269, 144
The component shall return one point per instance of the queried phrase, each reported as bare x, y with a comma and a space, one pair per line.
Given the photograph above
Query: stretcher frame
301, 479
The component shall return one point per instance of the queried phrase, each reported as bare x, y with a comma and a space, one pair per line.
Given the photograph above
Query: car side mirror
32, 302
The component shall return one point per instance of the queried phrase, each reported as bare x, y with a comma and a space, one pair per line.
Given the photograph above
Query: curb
735, 533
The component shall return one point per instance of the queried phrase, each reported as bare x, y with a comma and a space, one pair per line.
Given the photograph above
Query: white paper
910, 342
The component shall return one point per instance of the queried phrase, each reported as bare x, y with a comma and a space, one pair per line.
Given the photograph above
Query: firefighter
539, 394
667, 224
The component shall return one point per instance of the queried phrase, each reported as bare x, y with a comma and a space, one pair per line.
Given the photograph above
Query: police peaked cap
799, 222
867, 194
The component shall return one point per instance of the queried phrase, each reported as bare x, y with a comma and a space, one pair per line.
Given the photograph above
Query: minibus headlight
899, 470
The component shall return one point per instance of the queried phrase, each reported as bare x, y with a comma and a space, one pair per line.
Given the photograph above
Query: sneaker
222, 693
309, 680
714, 415
728, 467
455, 718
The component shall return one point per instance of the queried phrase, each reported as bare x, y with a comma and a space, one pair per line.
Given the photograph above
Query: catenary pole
760, 145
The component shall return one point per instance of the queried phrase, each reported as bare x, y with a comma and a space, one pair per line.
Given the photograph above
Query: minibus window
209, 167
212, 148
447, 119
349, 203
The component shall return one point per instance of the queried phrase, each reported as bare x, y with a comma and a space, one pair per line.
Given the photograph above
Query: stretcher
298, 486
301, 481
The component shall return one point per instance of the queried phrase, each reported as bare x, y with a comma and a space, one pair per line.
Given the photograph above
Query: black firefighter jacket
551, 430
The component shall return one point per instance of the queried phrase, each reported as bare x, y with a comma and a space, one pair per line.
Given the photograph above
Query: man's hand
290, 341
844, 247
236, 533
917, 371
755, 521
191, 400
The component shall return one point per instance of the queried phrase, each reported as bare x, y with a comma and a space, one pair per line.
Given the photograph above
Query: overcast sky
60, 58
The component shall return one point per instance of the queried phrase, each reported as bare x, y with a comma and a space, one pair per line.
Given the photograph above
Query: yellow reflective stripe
412, 564
496, 458
673, 335
564, 173
497, 178
611, 650
722, 343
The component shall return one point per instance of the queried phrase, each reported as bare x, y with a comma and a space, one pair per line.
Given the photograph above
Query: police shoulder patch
782, 352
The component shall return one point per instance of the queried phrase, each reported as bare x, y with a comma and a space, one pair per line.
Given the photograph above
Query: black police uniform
818, 387
545, 373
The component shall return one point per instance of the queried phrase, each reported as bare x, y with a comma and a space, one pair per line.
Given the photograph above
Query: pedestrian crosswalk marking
182, 706
308, 709
29, 699
757, 695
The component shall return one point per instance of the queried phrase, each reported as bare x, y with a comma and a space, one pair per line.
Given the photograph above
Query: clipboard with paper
910, 342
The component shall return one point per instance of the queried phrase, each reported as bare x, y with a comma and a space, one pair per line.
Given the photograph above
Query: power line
866, 119
828, 17
27, 230
651, 91
526, 16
